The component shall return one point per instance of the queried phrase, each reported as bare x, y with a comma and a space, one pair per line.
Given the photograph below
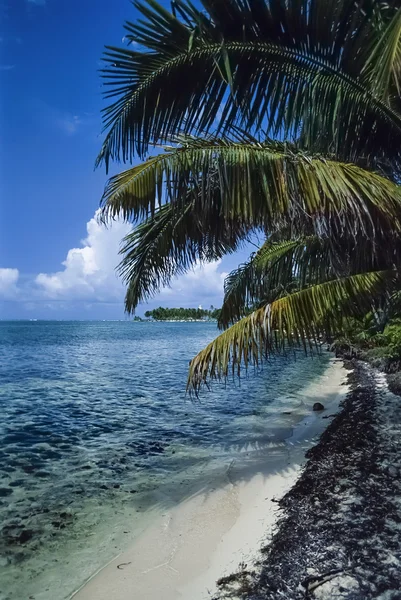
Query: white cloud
8, 283
89, 277
6, 67
37, 2
89, 271
89, 274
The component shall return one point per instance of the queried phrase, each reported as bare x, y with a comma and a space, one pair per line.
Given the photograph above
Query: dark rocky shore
339, 535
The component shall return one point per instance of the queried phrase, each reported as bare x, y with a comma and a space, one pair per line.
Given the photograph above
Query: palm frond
383, 66
299, 318
284, 264
270, 273
239, 62
170, 243
262, 184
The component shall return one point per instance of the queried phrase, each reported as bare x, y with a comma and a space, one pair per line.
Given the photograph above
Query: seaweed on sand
340, 531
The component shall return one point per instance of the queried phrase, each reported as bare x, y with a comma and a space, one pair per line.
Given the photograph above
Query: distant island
183, 314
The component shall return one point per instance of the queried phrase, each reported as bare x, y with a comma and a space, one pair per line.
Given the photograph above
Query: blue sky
55, 260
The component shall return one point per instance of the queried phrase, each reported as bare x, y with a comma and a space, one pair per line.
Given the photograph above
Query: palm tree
277, 116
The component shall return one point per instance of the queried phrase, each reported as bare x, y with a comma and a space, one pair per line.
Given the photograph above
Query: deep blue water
94, 413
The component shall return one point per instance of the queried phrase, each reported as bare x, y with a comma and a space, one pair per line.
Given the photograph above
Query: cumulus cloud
89, 271
8, 283
88, 279
89, 274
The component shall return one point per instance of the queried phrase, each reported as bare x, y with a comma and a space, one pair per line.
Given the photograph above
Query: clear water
95, 423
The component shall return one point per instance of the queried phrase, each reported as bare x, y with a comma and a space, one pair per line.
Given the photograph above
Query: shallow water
95, 426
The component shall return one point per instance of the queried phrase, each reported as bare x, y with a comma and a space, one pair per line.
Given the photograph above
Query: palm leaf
299, 318
270, 272
284, 265
262, 184
383, 66
287, 67
168, 244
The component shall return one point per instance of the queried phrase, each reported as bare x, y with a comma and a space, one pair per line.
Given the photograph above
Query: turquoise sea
95, 428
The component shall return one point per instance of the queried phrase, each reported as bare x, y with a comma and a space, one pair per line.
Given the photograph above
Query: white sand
184, 552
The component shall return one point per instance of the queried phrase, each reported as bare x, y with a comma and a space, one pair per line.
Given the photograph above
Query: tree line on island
183, 314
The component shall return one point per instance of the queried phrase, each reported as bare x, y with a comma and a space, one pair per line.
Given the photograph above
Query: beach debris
314, 581
122, 565
339, 535
334, 586
318, 406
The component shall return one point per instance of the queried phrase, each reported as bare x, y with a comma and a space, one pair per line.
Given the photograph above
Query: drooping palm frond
284, 265
168, 244
261, 184
299, 318
269, 273
289, 65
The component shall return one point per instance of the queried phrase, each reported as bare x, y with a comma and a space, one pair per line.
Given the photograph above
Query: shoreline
208, 535
339, 533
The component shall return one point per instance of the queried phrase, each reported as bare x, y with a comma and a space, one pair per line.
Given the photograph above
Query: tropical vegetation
280, 119
183, 314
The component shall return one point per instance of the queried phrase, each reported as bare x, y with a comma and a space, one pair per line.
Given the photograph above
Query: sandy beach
188, 547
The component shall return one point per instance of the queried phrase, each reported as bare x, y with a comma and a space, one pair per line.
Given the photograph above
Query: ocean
96, 431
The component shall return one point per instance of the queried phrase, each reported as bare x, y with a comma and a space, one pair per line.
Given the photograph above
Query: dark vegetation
339, 531
182, 314
376, 339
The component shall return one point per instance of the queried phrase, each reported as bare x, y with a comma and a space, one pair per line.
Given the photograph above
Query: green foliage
318, 80
303, 68
218, 190
299, 317
170, 243
279, 267
392, 338
365, 334
254, 183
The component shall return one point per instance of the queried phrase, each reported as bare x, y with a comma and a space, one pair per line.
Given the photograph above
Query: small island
183, 314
